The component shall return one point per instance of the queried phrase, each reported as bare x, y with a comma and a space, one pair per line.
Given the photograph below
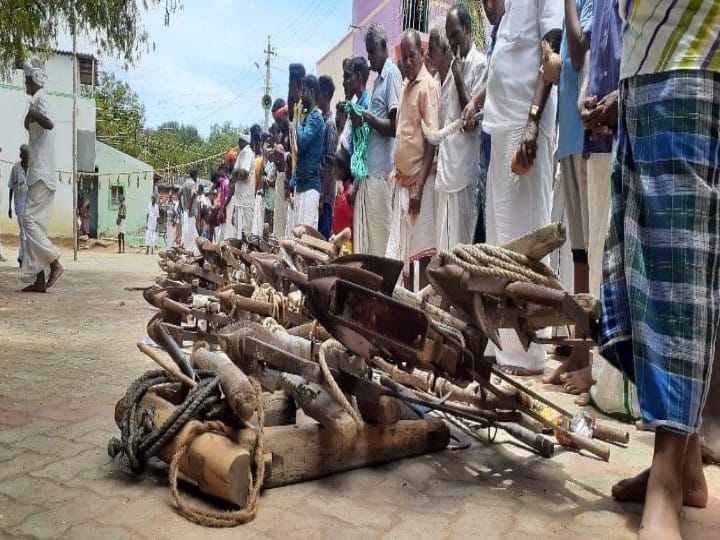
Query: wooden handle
609, 433
167, 365
597, 449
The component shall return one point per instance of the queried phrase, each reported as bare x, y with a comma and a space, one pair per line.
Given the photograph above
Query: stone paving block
93, 531
27, 489
27, 461
12, 513
8, 452
52, 446
419, 525
68, 468
58, 519
33, 427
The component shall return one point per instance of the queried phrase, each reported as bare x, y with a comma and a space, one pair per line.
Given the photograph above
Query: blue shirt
385, 99
310, 136
570, 127
605, 33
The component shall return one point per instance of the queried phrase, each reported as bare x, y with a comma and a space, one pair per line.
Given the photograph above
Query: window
115, 193
87, 70
415, 15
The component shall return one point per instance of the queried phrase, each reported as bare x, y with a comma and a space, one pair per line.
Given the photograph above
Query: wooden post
306, 452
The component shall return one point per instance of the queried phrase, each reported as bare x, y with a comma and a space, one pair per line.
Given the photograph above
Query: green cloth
360, 136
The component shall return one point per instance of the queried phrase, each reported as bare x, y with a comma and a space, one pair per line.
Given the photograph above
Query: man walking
309, 135
412, 225
17, 185
372, 203
520, 110
327, 197
660, 291
39, 251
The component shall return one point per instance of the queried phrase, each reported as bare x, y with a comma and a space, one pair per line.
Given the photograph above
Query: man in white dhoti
40, 253
17, 185
153, 216
171, 219
412, 181
188, 195
461, 75
371, 226
309, 136
520, 112
241, 197
281, 133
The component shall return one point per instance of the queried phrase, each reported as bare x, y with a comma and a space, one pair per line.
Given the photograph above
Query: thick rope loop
332, 386
210, 518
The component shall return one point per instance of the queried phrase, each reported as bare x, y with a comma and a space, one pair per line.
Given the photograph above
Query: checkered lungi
661, 275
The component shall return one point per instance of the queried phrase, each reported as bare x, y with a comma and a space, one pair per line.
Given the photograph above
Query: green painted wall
137, 189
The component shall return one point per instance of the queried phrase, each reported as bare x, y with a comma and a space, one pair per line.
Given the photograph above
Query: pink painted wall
389, 14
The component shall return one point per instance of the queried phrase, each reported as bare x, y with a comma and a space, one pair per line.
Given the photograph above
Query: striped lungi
661, 289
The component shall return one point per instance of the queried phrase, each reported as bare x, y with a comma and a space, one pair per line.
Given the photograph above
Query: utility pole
267, 98
74, 135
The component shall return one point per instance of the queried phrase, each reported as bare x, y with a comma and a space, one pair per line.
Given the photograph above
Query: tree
114, 26
120, 116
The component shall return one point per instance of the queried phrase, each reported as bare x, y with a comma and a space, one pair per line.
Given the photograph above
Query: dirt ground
68, 356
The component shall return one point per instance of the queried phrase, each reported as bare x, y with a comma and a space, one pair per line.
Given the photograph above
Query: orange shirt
258, 172
420, 101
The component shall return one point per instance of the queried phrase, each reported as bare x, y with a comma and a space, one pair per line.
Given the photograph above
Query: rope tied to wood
490, 261
139, 438
332, 386
211, 518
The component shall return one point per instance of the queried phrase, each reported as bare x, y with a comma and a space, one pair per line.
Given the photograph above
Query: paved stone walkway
68, 356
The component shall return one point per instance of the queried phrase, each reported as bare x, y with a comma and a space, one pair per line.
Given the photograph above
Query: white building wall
13, 107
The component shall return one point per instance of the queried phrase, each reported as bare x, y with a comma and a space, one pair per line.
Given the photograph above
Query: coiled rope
490, 261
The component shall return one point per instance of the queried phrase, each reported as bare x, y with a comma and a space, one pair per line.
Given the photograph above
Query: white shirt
515, 63
153, 214
41, 144
245, 190
18, 183
459, 153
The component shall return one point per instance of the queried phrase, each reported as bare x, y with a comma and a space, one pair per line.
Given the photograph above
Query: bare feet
633, 490
583, 399
577, 382
56, 270
518, 371
38, 285
578, 359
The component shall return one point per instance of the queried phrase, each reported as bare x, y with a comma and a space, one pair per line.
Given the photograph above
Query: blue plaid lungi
661, 289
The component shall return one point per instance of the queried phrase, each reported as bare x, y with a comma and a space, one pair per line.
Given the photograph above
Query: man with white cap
40, 253
241, 195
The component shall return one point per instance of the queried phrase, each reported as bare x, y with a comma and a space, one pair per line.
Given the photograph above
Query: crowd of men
631, 127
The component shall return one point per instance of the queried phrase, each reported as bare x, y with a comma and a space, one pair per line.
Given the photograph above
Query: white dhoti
258, 220
170, 232
39, 250
307, 211
21, 238
612, 393
189, 231
280, 213
371, 217
242, 220
150, 238
411, 241
516, 206
455, 218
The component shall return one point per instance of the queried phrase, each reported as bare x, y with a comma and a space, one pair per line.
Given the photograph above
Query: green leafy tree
114, 26
120, 116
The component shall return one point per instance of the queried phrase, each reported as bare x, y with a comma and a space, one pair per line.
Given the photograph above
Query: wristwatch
535, 112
